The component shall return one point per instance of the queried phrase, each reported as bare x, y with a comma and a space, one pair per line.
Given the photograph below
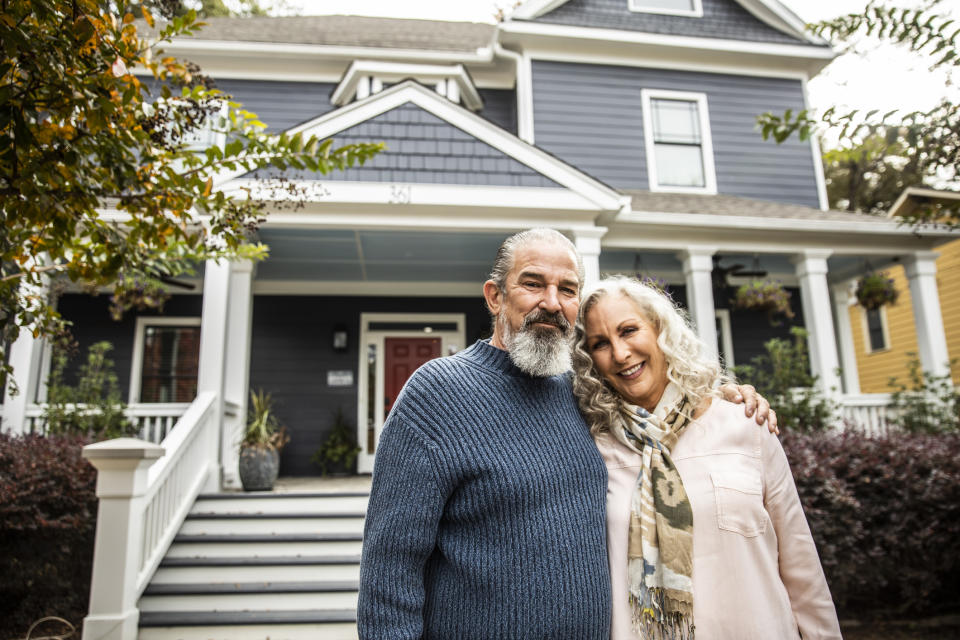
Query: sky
882, 78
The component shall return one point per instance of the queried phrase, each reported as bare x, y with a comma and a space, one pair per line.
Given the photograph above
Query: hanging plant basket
656, 283
764, 296
875, 290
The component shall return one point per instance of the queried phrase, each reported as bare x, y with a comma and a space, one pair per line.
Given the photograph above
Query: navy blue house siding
591, 117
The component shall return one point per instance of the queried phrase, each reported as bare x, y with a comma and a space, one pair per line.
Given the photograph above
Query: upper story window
678, 143
364, 78
166, 356
875, 329
690, 8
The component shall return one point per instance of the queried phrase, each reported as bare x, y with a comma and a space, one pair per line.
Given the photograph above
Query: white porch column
121, 482
698, 272
848, 354
921, 270
237, 375
26, 358
588, 244
811, 267
211, 373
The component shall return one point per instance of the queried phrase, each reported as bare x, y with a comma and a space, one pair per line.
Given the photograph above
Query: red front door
403, 356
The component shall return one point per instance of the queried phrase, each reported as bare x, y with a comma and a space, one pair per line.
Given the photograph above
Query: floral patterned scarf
660, 551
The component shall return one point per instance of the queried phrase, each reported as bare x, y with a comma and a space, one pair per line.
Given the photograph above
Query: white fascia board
184, 46
328, 125
797, 51
878, 227
399, 71
780, 18
534, 8
921, 192
338, 192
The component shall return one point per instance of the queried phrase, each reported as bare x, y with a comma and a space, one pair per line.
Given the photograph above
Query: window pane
679, 166
875, 329
170, 358
671, 5
675, 121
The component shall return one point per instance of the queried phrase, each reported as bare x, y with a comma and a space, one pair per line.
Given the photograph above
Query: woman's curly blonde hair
697, 375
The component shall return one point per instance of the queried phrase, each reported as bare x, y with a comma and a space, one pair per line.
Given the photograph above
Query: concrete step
354, 502
290, 522
265, 545
257, 569
250, 596
248, 625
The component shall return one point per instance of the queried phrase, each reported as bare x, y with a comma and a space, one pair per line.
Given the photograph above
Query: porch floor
328, 484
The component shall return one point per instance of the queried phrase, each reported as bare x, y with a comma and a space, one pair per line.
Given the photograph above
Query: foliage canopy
99, 183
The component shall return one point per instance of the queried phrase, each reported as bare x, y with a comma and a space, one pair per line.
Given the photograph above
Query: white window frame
136, 367
726, 337
697, 11
706, 144
884, 326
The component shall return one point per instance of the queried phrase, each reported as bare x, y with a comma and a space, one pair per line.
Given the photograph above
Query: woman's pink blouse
756, 573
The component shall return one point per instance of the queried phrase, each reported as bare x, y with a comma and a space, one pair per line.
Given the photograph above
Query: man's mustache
546, 317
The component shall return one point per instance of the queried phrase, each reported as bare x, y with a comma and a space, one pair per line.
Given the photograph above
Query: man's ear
493, 296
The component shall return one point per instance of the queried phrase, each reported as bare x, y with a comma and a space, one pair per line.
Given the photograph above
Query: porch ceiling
376, 255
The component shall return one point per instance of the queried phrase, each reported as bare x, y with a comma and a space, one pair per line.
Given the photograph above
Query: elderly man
486, 515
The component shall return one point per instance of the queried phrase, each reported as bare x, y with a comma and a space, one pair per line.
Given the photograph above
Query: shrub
927, 404
782, 376
48, 510
885, 514
91, 407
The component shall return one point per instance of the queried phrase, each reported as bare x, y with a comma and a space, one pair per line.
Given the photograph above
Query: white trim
817, 155
667, 218
770, 12
696, 12
706, 144
943, 195
136, 365
357, 288
393, 72
799, 51
884, 329
325, 126
448, 340
726, 338
524, 90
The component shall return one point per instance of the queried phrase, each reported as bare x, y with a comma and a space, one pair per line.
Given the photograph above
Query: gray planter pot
258, 468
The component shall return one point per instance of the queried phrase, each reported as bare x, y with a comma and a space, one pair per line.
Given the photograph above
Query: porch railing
153, 420
867, 413
145, 491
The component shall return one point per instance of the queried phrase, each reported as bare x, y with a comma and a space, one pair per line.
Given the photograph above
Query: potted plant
875, 289
261, 444
339, 451
766, 296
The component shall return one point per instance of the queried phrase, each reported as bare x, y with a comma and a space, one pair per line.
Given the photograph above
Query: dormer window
689, 8
366, 77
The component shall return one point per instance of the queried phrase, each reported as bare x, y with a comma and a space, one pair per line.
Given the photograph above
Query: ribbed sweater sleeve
398, 536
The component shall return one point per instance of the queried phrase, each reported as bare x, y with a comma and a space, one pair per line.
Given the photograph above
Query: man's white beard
538, 351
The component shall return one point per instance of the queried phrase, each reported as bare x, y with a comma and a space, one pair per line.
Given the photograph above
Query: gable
422, 148
724, 19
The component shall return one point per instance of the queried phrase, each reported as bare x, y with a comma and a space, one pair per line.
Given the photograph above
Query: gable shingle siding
590, 116
281, 105
721, 19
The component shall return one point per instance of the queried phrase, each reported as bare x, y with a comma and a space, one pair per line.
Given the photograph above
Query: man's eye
531, 284
568, 291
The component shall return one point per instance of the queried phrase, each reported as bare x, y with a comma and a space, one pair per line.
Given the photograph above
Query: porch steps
248, 566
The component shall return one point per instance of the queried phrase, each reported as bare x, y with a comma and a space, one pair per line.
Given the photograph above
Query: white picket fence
867, 412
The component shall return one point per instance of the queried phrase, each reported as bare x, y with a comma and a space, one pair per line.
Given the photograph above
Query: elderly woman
704, 524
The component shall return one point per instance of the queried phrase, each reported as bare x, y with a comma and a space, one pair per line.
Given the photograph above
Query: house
628, 125
885, 339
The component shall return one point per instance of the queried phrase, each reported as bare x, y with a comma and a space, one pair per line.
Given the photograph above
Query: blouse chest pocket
739, 503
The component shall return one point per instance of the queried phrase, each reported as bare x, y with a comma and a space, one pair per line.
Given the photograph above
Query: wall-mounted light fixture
340, 338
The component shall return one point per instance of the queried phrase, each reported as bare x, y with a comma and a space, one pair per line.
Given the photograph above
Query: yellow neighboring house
883, 338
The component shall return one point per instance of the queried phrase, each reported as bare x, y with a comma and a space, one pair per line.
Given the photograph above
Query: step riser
263, 549
331, 631
273, 525
250, 602
297, 573
285, 505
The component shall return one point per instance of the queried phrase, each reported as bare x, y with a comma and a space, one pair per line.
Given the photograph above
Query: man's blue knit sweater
486, 516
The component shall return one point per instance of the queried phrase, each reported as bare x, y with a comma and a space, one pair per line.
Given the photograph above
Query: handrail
145, 491
154, 420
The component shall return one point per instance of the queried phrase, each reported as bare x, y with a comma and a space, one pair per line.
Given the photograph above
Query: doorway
393, 345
